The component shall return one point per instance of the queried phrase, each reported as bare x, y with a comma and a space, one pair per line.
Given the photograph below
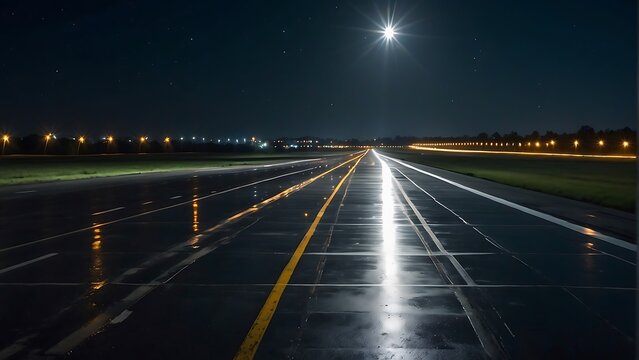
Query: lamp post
47, 137
109, 140
5, 140
80, 142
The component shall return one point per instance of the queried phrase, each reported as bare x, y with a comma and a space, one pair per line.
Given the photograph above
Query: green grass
34, 169
606, 182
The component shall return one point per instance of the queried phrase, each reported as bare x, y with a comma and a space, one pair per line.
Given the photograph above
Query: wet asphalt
401, 265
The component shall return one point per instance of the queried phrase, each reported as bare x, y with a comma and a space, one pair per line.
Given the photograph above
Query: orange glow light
530, 153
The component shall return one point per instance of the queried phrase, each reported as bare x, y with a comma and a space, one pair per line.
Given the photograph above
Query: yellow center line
258, 329
103, 319
195, 239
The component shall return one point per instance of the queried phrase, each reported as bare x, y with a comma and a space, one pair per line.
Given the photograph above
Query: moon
389, 32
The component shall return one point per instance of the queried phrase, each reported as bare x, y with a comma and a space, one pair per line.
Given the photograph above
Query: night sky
293, 68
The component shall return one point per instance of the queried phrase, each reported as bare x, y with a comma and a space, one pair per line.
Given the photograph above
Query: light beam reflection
196, 221
388, 226
391, 321
195, 205
97, 268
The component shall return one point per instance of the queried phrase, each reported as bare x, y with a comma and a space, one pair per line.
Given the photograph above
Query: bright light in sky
389, 27
389, 32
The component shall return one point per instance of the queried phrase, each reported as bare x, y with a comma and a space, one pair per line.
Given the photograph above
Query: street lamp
109, 141
47, 137
576, 143
5, 140
80, 142
625, 144
167, 140
142, 139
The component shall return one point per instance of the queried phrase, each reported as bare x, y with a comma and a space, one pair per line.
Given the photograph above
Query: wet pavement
337, 258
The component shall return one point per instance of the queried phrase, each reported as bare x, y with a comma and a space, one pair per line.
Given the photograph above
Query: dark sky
292, 68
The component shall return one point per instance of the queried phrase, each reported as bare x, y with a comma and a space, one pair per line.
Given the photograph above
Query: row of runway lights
110, 139
624, 144
6, 138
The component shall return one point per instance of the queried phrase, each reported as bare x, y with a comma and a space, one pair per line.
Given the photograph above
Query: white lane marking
120, 318
290, 162
150, 211
510, 331
460, 269
488, 341
175, 197
25, 192
29, 262
599, 252
578, 228
147, 202
486, 237
107, 211
101, 320
567, 290
240, 167
78, 336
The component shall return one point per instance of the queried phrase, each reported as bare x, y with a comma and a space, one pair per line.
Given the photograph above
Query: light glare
389, 32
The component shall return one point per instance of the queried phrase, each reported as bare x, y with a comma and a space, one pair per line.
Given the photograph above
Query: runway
352, 257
